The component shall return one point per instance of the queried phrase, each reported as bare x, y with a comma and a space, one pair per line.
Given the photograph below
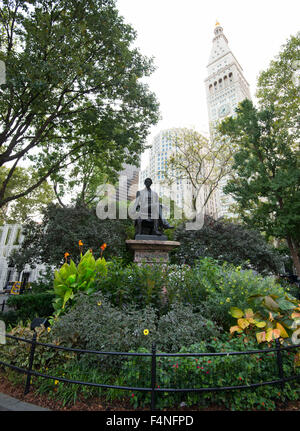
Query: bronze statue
150, 220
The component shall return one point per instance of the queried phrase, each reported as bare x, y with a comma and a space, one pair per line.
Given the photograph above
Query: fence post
153, 376
31, 358
279, 362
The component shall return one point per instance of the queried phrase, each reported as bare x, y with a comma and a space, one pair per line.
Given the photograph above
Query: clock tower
226, 87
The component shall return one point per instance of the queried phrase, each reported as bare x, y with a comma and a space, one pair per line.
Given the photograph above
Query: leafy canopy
73, 87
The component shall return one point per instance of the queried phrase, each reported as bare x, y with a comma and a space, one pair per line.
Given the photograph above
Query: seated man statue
150, 218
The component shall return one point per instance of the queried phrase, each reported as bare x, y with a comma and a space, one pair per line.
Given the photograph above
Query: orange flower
80, 243
103, 246
66, 255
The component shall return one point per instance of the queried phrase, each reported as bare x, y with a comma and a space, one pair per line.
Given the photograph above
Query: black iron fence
153, 389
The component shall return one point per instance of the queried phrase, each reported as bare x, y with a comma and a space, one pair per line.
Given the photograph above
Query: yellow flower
56, 382
227, 299
48, 329
146, 331
99, 303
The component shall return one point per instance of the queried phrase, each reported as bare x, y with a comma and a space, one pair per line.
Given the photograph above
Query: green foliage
266, 173
10, 318
44, 281
277, 86
134, 284
18, 353
31, 305
203, 372
265, 184
69, 393
60, 231
230, 242
233, 286
74, 89
70, 279
31, 205
208, 286
182, 326
93, 323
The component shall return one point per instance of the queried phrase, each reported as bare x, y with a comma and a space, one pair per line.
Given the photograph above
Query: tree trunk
294, 254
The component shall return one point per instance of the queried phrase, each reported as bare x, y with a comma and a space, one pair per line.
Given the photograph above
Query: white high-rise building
180, 190
162, 148
226, 87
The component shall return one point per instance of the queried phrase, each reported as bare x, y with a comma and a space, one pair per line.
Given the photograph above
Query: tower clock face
224, 110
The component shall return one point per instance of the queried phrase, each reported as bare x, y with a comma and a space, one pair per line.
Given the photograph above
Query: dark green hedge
28, 306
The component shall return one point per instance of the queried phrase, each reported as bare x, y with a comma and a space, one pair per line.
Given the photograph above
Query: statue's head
148, 182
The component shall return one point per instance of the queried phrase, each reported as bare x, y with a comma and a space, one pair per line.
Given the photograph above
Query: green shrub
31, 305
181, 326
69, 393
9, 317
233, 287
210, 287
44, 282
227, 242
95, 324
18, 352
134, 284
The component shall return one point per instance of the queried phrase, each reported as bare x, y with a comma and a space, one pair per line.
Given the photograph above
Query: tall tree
203, 163
31, 205
72, 88
279, 87
60, 231
269, 151
227, 242
266, 186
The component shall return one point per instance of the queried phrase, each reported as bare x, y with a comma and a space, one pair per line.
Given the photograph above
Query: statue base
151, 237
151, 251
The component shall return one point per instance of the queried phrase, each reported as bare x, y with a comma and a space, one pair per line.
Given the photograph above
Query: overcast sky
178, 34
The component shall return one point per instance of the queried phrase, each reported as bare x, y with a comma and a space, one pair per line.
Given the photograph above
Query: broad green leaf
243, 323
60, 290
71, 279
236, 312
270, 303
67, 296
73, 267
260, 324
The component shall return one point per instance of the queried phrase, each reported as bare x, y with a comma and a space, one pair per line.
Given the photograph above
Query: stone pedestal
151, 251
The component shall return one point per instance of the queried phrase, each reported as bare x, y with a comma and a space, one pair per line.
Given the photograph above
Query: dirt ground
98, 404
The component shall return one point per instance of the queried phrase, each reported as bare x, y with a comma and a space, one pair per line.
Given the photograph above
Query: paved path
10, 404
